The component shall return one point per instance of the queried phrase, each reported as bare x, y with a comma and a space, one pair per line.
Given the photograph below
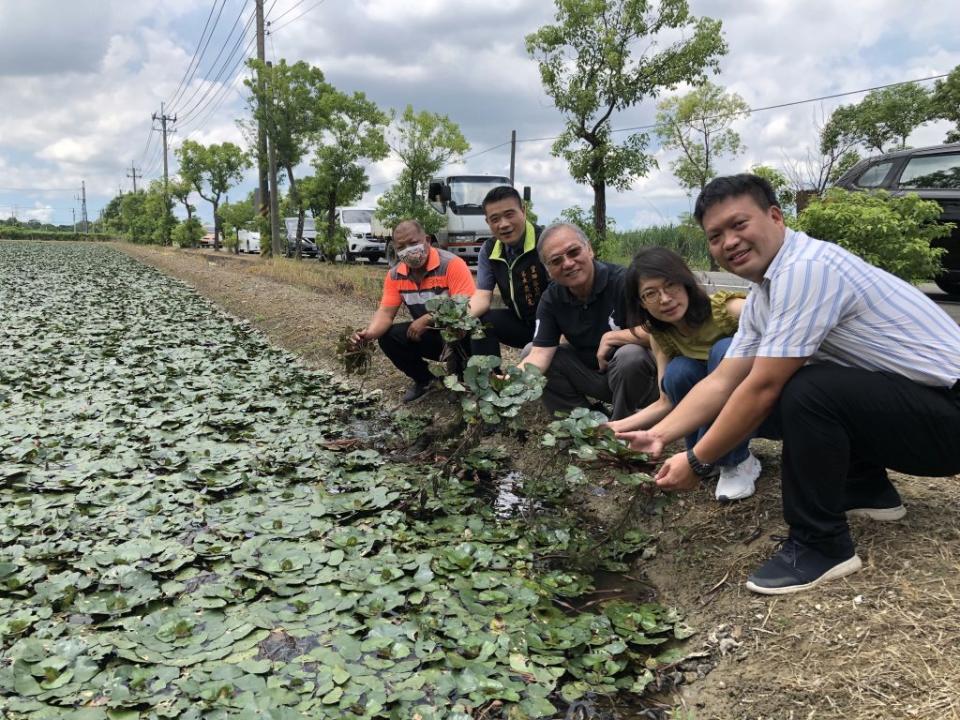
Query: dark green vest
522, 281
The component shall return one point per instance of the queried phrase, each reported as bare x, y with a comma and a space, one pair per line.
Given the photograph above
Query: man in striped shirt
422, 272
854, 369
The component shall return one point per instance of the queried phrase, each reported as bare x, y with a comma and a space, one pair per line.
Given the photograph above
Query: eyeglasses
653, 295
572, 252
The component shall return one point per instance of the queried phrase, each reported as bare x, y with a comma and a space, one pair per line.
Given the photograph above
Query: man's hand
608, 343
676, 475
643, 441
418, 327
360, 338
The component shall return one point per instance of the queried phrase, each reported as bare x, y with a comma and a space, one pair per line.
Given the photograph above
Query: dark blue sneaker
795, 567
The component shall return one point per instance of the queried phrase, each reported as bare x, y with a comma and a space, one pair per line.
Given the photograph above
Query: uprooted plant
356, 357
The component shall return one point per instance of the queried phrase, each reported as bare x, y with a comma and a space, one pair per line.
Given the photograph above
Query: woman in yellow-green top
689, 335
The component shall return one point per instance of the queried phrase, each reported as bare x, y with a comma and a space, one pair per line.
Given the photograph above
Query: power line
200, 105
316, 5
778, 106
288, 10
195, 53
202, 54
208, 88
217, 99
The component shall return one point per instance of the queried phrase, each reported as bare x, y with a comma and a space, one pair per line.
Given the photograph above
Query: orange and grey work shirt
446, 275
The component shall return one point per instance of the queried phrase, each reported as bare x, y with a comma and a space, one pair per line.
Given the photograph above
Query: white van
361, 242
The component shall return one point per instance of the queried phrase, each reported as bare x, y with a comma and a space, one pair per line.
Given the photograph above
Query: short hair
553, 229
410, 222
661, 262
502, 192
723, 188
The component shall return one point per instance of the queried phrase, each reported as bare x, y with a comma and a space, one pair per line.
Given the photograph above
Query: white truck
459, 199
248, 241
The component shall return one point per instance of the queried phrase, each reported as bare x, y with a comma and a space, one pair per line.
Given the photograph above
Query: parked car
207, 240
933, 173
248, 241
361, 242
308, 243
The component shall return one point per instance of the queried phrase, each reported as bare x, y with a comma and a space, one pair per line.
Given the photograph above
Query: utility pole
133, 169
83, 206
274, 201
513, 153
164, 119
261, 127
73, 211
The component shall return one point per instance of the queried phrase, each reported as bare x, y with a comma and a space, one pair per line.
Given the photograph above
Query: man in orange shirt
422, 272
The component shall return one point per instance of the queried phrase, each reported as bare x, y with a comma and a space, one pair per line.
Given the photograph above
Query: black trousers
841, 427
501, 326
408, 355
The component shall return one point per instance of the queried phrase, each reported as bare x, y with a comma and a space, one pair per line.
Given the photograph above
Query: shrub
188, 233
893, 233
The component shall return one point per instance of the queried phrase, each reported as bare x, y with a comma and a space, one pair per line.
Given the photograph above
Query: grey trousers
630, 381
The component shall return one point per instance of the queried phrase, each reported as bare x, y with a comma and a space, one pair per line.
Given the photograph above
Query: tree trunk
600, 212
216, 224
295, 200
331, 222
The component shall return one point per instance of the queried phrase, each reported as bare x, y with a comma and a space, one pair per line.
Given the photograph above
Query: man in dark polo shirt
423, 272
509, 262
585, 304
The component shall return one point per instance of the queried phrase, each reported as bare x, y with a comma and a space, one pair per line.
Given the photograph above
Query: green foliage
893, 233
425, 142
452, 316
583, 218
188, 533
585, 435
882, 117
235, 217
28, 233
945, 103
698, 125
686, 239
780, 184
188, 233
354, 133
588, 69
496, 398
147, 215
212, 170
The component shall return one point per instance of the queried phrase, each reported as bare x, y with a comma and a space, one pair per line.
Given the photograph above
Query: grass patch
356, 281
686, 240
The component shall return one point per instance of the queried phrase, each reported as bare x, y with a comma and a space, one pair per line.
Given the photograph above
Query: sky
80, 82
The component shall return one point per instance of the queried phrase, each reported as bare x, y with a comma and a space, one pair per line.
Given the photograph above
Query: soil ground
883, 643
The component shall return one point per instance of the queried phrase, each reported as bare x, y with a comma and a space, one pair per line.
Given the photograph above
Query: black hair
502, 192
661, 262
723, 188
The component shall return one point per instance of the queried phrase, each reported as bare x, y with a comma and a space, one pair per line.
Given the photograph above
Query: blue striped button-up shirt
820, 301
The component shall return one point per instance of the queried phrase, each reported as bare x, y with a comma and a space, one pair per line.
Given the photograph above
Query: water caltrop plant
184, 535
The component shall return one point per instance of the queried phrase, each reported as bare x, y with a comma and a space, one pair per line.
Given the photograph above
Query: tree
236, 217
424, 142
354, 132
180, 189
698, 125
945, 103
882, 117
212, 170
147, 215
587, 67
786, 196
294, 105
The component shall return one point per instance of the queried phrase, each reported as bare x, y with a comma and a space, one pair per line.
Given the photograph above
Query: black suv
931, 172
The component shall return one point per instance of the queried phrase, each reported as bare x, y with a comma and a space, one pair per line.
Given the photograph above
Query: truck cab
459, 198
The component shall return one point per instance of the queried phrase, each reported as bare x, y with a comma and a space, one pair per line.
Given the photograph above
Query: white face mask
414, 256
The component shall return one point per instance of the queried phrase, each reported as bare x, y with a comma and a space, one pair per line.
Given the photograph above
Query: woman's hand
676, 475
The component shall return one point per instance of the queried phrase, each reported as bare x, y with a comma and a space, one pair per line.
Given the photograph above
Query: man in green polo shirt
508, 261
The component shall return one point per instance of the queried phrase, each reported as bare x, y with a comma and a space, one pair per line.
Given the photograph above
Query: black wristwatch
700, 469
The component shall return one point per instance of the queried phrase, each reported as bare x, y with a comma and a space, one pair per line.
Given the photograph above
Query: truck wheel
390, 253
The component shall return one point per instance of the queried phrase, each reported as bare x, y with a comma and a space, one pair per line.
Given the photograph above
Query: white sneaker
738, 481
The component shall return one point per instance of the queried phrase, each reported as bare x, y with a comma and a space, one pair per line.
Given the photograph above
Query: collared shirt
582, 322
485, 278
820, 301
446, 274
